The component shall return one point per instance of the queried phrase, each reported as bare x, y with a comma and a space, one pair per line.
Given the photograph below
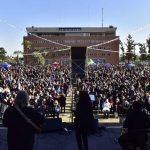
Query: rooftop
70, 29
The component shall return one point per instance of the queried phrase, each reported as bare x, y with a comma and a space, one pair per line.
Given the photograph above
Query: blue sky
129, 16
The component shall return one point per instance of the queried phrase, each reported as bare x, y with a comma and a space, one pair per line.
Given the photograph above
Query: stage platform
104, 139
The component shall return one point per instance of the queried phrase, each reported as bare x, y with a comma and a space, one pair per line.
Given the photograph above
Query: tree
17, 53
143, 53
2, 54
27, 44
39, 58
130, 45
123, 52
148, 46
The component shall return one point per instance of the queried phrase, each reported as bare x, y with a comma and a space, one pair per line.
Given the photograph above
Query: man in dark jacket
137, 123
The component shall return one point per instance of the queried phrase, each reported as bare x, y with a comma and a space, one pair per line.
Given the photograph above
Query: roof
69, 29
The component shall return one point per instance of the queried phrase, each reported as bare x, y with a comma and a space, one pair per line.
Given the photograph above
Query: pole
102, 18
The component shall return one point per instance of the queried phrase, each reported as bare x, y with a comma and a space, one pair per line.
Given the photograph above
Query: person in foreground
136, 125
83, 120
22, 123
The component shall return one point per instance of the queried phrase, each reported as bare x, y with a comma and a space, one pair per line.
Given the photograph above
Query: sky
129, 16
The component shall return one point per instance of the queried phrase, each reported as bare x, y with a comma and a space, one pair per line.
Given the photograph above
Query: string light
68, 47
104, 50
107, 42
49, 40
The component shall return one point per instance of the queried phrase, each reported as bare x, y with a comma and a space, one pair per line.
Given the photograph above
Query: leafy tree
123, 51
148, 46
2, 54
38, 57
143, 53
17, 53
130, 45
27, 44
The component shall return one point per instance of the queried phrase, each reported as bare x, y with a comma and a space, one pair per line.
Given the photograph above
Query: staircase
68, 116
70, 106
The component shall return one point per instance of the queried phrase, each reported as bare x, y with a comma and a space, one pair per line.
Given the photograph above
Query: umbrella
5, 65
107, 65
130, 65
94, 64
55, 63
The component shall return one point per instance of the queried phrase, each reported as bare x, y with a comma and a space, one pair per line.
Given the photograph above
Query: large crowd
47, 87
115, 88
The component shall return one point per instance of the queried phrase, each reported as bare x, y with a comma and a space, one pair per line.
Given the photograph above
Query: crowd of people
115, 88
47, 87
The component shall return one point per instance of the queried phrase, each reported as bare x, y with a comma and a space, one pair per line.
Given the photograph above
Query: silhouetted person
83, 118
62, 102
21, 133
137, 122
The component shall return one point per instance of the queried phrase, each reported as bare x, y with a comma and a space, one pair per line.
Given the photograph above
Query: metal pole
102, 18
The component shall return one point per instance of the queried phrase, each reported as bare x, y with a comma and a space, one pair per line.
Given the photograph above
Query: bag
56, 109
132, 139
125, 138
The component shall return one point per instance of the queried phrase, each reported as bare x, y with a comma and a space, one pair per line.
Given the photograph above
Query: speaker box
52, 125
78, 58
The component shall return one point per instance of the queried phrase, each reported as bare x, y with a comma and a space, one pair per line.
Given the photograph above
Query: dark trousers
106, 114
63, 109
55, 114
82, 140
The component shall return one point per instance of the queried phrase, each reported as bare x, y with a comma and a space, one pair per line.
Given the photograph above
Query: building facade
55, 43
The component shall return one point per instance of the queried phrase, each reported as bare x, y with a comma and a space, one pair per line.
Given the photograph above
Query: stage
104, 139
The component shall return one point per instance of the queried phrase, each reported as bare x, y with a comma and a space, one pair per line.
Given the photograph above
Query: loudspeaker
52, 125
78, 59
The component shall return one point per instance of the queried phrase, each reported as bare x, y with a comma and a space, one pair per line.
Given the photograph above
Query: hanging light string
107, 42
68, 47
15, 27
104, 50
49, 40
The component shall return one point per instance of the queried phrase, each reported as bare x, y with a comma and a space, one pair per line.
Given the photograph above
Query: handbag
124, 138
56, 109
